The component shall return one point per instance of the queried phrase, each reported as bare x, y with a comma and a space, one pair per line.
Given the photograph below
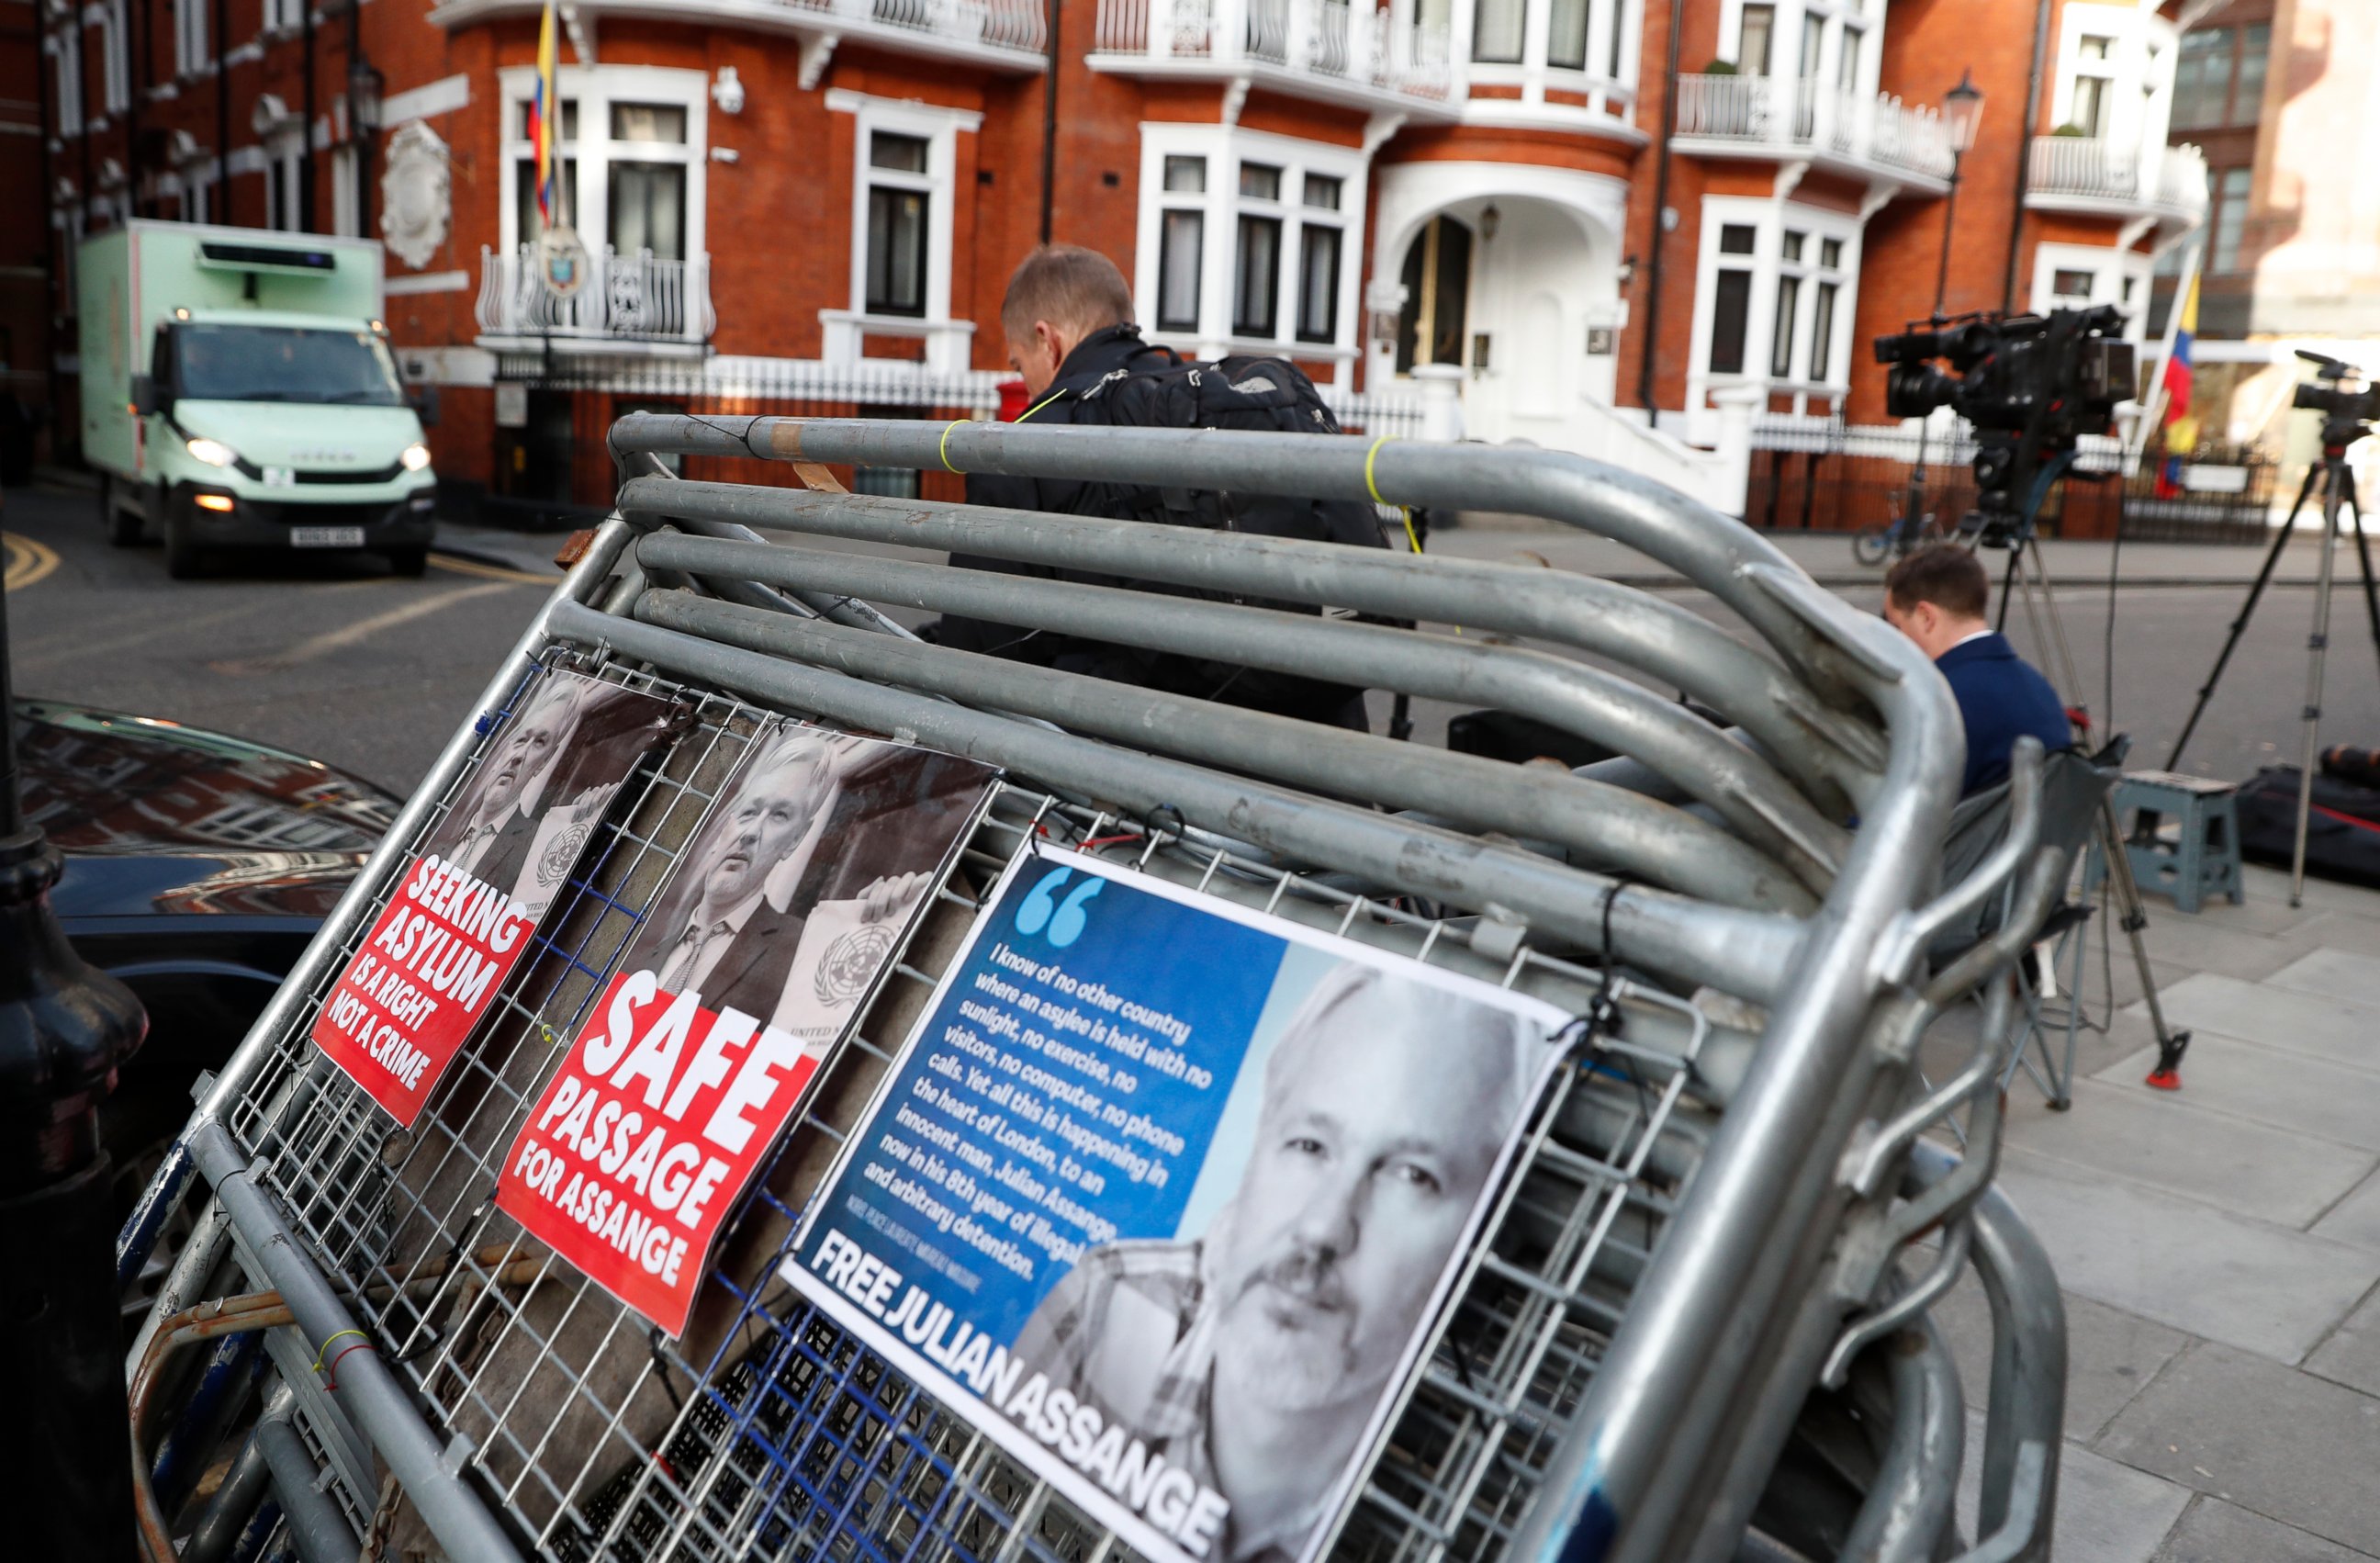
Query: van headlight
214, 453
416, 456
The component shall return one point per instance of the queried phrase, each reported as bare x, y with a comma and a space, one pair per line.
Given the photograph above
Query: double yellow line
27, 561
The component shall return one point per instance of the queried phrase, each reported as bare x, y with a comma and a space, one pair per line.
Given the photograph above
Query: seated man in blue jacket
1936, 597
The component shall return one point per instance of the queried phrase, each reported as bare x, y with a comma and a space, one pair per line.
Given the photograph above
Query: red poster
645, 1137
405, 1004
777, 923
465, 912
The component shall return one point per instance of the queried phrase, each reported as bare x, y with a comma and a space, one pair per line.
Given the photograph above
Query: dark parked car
197, 867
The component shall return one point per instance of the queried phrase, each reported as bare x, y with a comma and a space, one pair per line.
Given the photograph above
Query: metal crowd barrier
1695, 1328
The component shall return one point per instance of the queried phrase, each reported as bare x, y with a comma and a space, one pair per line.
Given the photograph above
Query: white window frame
347, 214
1607, 75
1225, 148
2141, 56
596, 89
1769, 219
64, 47
284, 174
283, 16
115, 54
190, 44
1835, 18
940, 129
2108, 267
1150, 304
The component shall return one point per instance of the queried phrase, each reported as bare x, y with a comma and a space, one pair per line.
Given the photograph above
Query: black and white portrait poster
470, 905
1165, 1195
779, 920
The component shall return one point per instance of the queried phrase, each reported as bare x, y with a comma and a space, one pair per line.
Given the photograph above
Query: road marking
27, 561
461, 566
362, 630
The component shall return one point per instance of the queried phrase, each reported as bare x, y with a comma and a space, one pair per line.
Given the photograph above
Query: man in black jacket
1067, 319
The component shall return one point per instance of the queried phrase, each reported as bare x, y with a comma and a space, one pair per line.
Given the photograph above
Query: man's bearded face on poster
1385, 1104
529, 749
768, 822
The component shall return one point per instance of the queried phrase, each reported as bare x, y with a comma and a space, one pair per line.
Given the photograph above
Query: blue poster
1163, 1194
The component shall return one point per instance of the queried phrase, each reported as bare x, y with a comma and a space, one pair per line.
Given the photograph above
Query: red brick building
1560, 211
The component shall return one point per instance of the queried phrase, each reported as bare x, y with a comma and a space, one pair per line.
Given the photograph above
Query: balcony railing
1330, 42
1801, 117
1000, 24
624, 297
2087, 171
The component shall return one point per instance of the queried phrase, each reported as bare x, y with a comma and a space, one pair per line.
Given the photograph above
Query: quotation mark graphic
1064, 918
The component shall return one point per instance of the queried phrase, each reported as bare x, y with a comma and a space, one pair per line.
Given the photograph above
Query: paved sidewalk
2220, 1248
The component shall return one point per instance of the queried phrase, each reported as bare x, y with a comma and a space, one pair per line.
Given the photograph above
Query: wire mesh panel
1700, 984
769, 1430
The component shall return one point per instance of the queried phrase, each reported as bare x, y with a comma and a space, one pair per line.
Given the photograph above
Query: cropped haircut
1076, 290
1945, 575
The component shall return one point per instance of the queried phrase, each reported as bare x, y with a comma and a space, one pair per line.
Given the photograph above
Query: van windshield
284, 363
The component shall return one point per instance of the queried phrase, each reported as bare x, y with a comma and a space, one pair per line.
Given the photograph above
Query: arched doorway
1437, 278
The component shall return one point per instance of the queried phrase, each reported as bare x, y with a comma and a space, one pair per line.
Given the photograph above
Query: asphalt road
328, 656
335, 658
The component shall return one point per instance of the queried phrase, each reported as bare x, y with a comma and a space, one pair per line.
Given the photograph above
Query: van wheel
125, 525
184, 560
411, 561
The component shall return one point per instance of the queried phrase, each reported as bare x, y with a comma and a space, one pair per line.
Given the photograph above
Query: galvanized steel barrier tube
1697, 542
1834, 754
1632, 832
1746, 790
1752, 954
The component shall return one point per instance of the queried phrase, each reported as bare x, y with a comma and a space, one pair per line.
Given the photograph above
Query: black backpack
1259, 393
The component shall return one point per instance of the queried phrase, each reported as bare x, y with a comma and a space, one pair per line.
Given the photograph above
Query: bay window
1732, 298
1776, 288
1243, 240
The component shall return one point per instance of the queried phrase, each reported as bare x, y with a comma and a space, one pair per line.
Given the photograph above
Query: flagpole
2153, 417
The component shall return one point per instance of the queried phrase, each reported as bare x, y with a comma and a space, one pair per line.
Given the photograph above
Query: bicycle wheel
1872, 544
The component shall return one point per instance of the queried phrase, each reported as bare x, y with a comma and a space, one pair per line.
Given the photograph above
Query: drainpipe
1660, 208
305, 115
1049, 126
136, 72
2024, 152
219, 199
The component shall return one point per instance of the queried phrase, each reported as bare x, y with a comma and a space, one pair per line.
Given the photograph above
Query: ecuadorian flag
545, 116
2180, 428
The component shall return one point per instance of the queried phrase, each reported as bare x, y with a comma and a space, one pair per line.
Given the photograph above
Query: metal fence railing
1814, 474
1696, 1307
553, 463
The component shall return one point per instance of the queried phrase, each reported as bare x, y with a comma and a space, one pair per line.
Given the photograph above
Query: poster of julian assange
779, 919
1164, 1196
464, 914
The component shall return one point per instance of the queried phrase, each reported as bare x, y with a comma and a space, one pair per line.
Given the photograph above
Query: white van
237, 392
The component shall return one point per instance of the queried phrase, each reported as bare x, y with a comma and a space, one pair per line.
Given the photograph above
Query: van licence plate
327, 537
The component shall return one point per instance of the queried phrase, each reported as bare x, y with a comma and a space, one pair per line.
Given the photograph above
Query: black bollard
66, 1476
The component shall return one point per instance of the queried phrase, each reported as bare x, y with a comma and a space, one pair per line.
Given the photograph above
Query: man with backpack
1067, 319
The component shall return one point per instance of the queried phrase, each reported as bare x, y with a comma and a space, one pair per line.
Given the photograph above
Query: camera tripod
2041, 613
2339, 430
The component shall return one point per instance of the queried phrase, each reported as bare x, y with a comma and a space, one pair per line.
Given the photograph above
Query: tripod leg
2317, 648
2008, 588
2070, 677
2363, 553
2124, 891
2239, 625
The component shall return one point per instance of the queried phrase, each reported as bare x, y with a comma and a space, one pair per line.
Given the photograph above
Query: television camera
2031, 385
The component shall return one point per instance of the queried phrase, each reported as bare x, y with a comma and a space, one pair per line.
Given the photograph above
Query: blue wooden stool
2205, 859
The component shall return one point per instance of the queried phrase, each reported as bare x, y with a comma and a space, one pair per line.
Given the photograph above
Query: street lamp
1963, 115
